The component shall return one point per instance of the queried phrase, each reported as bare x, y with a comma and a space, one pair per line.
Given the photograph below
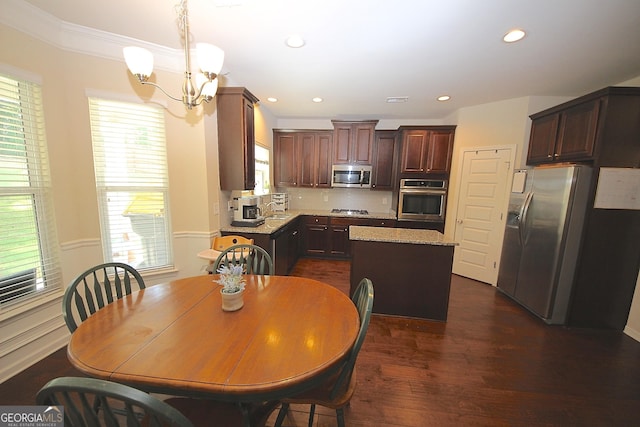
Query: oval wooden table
174, 338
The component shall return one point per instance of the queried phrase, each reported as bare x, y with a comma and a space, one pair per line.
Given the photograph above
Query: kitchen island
410, 269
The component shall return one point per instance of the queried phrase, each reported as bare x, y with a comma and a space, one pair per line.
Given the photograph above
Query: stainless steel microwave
351, 176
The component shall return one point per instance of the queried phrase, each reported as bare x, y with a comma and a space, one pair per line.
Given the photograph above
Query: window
130, 162
29, 261
262, 170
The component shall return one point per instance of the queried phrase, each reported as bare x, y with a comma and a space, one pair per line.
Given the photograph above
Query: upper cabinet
598, 128
384, 160
236, 138
353, 142
426, 150
566, 135
285, 158
302, 158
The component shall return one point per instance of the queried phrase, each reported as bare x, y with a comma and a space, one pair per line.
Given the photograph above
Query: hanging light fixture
210, 59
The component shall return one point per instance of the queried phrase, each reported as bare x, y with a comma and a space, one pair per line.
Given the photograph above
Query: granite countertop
279, 219
399, 235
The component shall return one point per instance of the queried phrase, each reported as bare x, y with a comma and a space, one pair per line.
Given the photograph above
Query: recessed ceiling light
514, 35
317, 99
272, 99
294, 41
444, 98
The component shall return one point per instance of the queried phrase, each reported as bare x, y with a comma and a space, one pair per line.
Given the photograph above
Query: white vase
232, 302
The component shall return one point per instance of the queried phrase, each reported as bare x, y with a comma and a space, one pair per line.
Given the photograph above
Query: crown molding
28, 19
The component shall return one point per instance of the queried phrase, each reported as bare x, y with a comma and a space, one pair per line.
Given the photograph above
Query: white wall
32, 330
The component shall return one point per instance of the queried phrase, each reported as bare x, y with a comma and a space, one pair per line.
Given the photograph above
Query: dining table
174, 338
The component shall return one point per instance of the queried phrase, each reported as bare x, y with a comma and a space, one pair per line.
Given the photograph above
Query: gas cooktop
351, 211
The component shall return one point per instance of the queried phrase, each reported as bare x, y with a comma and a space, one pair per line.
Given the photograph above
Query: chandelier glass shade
209, 57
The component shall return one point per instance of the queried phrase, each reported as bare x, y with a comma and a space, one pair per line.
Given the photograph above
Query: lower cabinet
329, 236
315, 235
284, 246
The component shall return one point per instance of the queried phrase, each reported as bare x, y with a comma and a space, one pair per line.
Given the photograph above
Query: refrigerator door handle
523, 218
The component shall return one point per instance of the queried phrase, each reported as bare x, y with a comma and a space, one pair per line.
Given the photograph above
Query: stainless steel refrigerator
542, 238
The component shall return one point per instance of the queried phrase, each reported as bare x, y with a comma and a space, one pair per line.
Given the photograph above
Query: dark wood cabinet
302, 158
283, 246
601, 129
384, 170
285, 156
426, 150
329, 236
236, 138
315, 159
315, 235
339, 243
286, 247
353, 142
567, 135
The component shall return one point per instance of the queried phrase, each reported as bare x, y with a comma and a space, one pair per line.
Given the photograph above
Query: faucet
265, 209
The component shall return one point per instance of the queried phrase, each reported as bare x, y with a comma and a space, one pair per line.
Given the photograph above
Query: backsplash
338, 198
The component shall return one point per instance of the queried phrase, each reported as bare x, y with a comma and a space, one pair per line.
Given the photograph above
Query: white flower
231, 278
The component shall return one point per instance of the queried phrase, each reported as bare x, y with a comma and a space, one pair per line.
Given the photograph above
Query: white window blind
129, 152
29, 261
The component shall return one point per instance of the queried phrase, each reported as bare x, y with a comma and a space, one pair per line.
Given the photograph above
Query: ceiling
360, 52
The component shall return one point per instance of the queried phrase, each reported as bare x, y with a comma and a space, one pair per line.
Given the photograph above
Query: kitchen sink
278, 216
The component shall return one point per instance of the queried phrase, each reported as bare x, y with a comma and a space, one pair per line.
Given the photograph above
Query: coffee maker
246, 212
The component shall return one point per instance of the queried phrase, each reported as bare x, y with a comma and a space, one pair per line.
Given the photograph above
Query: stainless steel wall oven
422, 200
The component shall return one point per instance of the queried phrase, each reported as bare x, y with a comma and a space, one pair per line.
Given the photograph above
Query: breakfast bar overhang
410, 269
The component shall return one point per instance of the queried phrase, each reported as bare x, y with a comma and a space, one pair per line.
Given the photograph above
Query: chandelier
210, 58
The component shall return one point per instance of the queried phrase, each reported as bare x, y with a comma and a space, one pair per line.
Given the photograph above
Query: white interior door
481, 213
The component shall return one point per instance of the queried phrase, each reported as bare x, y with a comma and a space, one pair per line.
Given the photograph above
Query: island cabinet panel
353, 142
236, 138
413, 280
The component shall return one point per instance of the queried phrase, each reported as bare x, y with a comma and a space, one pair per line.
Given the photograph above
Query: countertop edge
399, 235
272, 226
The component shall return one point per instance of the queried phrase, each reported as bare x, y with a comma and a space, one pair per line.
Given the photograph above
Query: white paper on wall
618, 188
519, 181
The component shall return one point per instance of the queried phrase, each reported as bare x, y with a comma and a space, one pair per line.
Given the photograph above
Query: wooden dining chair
119, 405
220, 243
97, 287
336, 392
255, 259
91, 402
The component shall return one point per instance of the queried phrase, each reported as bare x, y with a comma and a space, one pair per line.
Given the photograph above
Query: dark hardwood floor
490, 364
